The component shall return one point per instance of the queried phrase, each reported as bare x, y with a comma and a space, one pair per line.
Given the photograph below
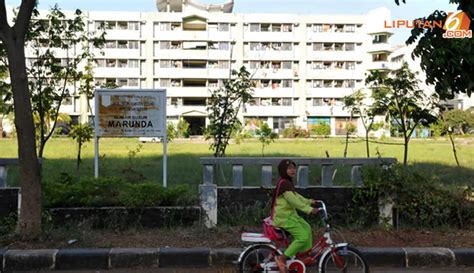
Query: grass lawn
431, 157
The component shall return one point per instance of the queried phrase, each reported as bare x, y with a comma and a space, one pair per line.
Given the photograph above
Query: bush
295, 132
321, 129
420, 201
91, 192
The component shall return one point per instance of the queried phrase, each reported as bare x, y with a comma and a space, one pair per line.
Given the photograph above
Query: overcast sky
412, 9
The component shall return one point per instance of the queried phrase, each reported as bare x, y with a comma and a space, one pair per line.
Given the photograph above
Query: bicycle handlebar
323, 208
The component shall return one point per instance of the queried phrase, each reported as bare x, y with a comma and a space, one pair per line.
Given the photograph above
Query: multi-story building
303, 65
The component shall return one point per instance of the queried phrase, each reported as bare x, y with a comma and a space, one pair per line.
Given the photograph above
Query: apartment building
303, 65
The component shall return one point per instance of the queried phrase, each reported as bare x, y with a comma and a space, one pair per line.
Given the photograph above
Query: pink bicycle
327, 255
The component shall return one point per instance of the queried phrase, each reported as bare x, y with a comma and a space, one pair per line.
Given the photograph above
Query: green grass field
432, 157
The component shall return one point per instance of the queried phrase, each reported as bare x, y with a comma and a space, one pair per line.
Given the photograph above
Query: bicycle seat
254, 237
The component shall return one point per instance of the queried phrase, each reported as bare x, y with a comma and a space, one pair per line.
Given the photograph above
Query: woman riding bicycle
287, 201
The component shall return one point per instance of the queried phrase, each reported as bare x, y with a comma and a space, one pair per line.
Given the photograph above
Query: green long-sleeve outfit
287, 218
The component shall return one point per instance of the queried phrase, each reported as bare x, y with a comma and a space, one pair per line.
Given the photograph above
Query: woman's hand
315, 211
314, 202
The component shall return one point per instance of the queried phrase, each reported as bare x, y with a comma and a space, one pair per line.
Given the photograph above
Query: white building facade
303, 65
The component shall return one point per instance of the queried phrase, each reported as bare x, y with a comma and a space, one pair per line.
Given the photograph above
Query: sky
411, 10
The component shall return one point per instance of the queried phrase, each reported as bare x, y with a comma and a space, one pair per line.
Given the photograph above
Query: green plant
183, 129
295, 132
81, 133
420, 201
322, 129
171, 132
224, 106
91, 192
265, 136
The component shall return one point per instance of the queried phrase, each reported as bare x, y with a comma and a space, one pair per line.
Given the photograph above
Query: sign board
130, 113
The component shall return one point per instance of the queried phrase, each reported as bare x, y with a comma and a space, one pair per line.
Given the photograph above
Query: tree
13, 40
82, 133
224, 106
265, 136
358, 104
448, 63
459, 120
52, 74
405, 104
5, 89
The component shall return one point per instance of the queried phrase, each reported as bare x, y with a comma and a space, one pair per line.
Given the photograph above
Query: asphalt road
231, 270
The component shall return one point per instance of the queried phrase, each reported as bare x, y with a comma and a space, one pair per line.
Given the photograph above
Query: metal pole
164, 162
96, 157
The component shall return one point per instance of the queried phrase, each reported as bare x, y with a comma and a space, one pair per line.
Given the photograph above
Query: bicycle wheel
255, 258
346, 260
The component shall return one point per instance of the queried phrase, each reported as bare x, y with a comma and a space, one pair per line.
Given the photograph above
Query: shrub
419, 200
321, 129
91, 192
295, 132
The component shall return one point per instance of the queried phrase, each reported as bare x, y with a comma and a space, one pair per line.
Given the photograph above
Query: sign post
130, 113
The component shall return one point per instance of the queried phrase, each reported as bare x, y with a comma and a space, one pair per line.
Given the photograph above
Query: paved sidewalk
147, 258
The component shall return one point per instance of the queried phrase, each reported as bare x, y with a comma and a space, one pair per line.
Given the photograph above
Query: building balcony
118, 53
384, 65
116, 72
334, 37
260, 73
329, 92
185, 35
337, 111
270, 36
379, 48
334, 55
274, 93
271, 55
265, 111
121, 34
180, 54
342, 74
187, 91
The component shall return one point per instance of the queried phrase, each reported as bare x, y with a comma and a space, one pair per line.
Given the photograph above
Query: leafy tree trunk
78, 163
405, 148
29, 223
454, 148
367, 142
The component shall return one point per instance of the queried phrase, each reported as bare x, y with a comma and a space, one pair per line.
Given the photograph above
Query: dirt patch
223, 237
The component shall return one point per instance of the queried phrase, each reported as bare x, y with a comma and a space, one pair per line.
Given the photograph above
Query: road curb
168, 257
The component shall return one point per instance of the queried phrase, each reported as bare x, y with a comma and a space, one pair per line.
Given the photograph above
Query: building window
110, 25
327, 83
317, 83
165, 64
111, 62
318, 28
287, 83
100, 62
122, 25
317, 102
133, 63
286, 64
339, 28
350, 83
286, 46
133, 82
165, 26
350, 65
327, 28
165, 45
349, 28
133, 44
133, 25
223, 27
111, 44
223, 46
317, 47
122, 44
254, 27
350, 47
380, 39
165, 82
286, 101
286, 28
122, 63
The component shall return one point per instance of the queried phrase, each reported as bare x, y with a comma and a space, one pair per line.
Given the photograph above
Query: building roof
180, 6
